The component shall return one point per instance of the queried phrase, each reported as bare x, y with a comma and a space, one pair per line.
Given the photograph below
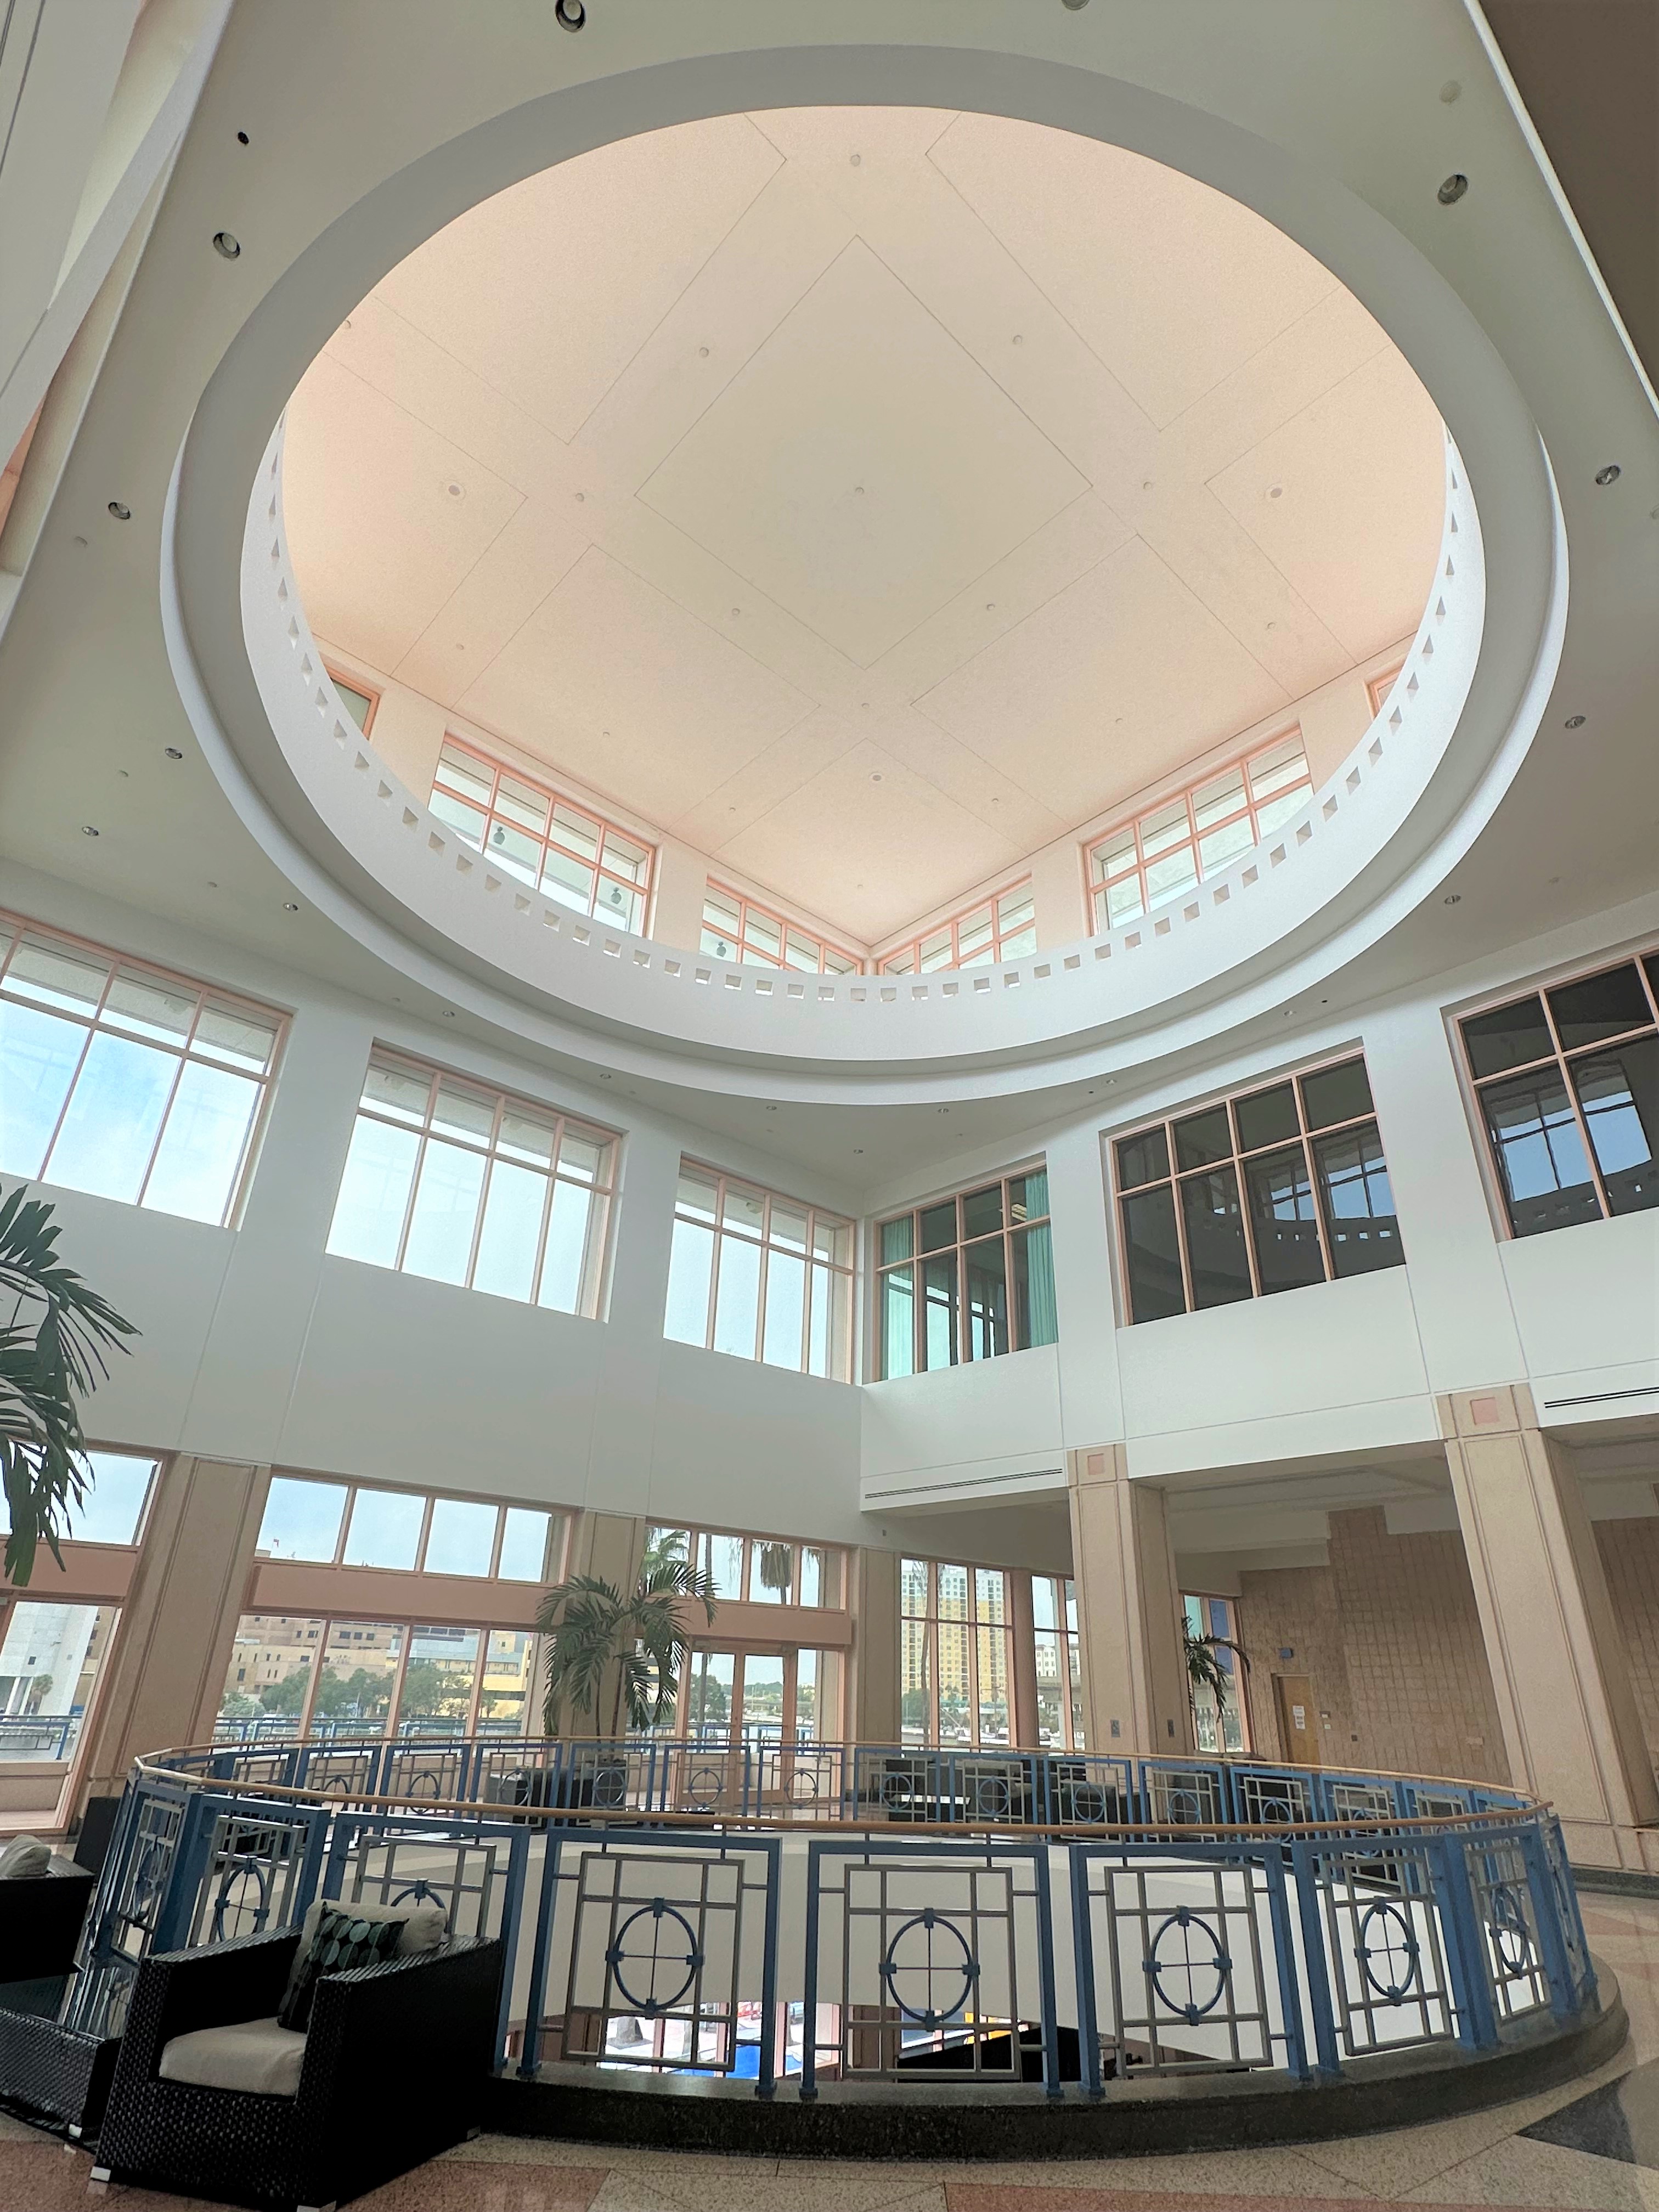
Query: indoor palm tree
52, 1346
592, 1628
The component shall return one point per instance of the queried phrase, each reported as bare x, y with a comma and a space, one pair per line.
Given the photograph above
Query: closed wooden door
1299, 1723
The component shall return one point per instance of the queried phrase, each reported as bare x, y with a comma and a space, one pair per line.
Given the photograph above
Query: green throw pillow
342, 1941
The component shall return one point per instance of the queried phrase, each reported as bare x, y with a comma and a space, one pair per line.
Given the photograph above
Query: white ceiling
866, 496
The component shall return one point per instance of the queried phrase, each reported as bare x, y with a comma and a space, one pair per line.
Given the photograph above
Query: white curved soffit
1371, 845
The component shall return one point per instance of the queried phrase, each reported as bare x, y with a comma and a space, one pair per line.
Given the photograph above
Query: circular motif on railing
427, 1782
804, 1785
706, 1786
610, 1786
1387, 1950
658, 1963
240, 1874
147, 1881
1195, 1967
1185, 1807
1088, 1803
994, 1797
1511, 1939
912, 1956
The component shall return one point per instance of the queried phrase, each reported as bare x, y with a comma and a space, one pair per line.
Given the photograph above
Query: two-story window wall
465, 1185
999, 928
737, 928
1567, 1082
956, 1655
967, 1278
122, 1079
1272, 1191
754, 1569
1058, 1663
764, 1684
1196, 833
534, 832
759, 1276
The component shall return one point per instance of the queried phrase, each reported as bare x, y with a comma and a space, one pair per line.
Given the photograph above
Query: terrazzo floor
1585, 2146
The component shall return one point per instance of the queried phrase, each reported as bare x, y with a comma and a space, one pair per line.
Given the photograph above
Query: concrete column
1558, 1664
172, 1651
875, 1691
1134, 1679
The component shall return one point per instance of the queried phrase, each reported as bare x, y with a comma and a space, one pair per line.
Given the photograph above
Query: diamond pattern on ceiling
868, 498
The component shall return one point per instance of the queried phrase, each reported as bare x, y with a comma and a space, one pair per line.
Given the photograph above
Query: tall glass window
1058, 1663
756, 1569
1221, 1712
1268, 1192
759, 1276
529, 830
736, 928
1144, 863
292, 1675
968, 1278
956, 1655
360, 700
1567, 1081
126, 1081
999, 928
468, 1186
50, 1657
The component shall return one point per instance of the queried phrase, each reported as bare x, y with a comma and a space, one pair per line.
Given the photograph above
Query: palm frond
52, 1348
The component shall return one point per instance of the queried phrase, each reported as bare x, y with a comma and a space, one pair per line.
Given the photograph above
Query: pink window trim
641, 887
746, 906
910, 950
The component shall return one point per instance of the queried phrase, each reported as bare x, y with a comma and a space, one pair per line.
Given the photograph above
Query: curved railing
911, 1917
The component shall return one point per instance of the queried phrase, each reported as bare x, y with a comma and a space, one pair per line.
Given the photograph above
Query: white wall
256, 1346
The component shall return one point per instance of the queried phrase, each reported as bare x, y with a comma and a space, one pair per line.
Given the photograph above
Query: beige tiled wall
1629, 1554
1389, 1634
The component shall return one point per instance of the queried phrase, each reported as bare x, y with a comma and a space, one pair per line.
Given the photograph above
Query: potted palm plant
636, 1642
54, 1341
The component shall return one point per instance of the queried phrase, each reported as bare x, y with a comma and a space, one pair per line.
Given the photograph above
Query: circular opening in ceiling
1058, 493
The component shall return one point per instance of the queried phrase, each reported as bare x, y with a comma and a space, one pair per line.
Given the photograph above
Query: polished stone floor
1594, 2146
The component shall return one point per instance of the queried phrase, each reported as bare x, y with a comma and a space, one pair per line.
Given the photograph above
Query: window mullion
161, 1127
1563, 1068
714, 1261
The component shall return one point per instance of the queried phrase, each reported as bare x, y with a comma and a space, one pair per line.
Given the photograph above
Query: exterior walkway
1528, 2153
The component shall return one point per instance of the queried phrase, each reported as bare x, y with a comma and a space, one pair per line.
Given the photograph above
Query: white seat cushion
252, 2054
25, 1858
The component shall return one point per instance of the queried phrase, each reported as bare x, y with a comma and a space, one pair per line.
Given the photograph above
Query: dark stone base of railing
886, 2120
1615, 1881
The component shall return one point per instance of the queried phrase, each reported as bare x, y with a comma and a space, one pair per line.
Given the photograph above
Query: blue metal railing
1074, 1920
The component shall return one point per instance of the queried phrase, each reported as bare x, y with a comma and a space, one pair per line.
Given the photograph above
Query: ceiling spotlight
456, 491
291, 905
875, 776
173, 753
1608, 474
120, 510
87, 829
1453, 898
943, 1110
227, 244
1453, 188
1449, 90
569, 15
241, 137
1575, 721
1075, 5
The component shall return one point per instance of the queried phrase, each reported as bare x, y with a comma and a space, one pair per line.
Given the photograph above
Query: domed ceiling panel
1137, 473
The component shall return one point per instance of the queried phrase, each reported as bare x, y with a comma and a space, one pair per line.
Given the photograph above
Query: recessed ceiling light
1453, 898
1453, 188
1608, 474
859, 490
211, 885
736, 611
1019, 338
291, 905
82, 541
456, 491
771, 1110
569, 15
856, 1150
1575, 721
942, 1109
703, 353
1276, 491
1449, 90
990, 606
120, 510
172, 752
876, 776
87, 829
1075, 5
226, 244
855, 159
580, 498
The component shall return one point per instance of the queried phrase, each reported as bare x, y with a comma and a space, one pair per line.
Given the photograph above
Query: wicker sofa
393, 2071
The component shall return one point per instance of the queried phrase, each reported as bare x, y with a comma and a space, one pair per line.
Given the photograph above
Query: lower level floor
1565, 2148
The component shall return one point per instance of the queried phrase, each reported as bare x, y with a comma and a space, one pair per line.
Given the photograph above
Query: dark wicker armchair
395, 2064
54, 2077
